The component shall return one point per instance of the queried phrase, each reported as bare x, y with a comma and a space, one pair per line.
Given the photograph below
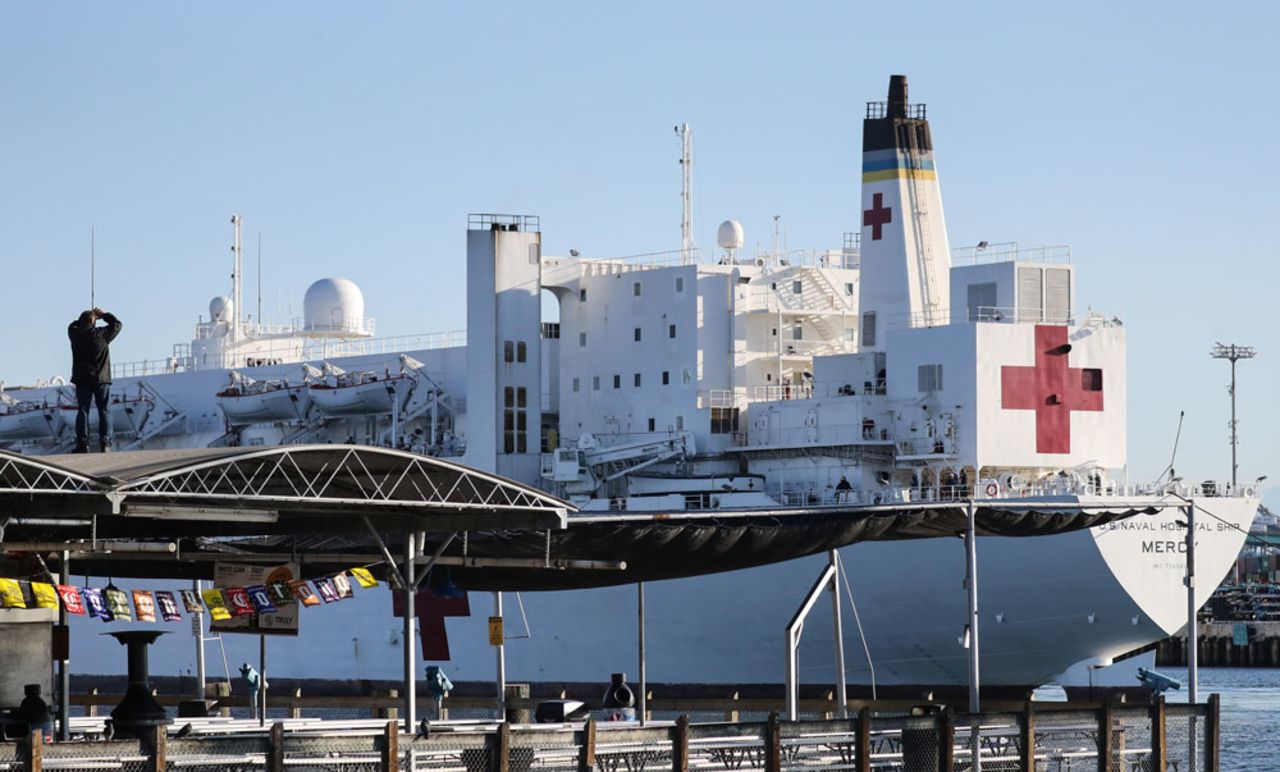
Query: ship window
797, 333
679, 284
635, 289
636, 333
982, 302
666, 377
617, 381
679, 423
671, 330
508, 397
582, 339
508, 351
848, 288
637, 379
869, 328
595, 383
577, 384
687, 376
797, 287
929, 378
522, 421
522, 354
850, 335
1091, 379
582, 295
521, 396
724, 420
652, 424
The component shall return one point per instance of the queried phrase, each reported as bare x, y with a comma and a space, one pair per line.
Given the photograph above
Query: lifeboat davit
29, 421
263, 401
358, 394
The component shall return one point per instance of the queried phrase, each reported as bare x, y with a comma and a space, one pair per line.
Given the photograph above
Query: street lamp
1233, 353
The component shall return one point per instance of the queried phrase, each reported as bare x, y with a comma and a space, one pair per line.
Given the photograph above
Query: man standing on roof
91, 373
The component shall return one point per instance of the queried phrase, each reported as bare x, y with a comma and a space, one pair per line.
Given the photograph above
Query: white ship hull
1047, 603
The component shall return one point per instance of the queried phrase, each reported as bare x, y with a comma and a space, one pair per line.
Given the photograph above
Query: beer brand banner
364, 578
343, 585
144, 605
304, 593
118, 604
96, 603
327, 590
191, 601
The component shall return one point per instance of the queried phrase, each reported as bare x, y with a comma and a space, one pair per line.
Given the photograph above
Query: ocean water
1250, 713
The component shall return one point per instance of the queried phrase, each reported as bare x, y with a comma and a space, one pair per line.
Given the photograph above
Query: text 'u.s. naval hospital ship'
891, 370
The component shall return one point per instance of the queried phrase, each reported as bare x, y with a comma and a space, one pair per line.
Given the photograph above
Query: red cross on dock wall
1052, 389
877, 216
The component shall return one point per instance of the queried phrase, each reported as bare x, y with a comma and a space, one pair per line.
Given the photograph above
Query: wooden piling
1028, 760
680, 745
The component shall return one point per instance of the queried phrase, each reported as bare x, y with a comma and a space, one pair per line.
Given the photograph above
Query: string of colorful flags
112, 604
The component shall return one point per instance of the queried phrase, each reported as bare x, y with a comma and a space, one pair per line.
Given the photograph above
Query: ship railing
290, 351
1011, 315
984, 253
793, 258
865, 432
772, 392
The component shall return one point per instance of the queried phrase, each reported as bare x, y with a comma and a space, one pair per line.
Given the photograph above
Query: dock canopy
290, 489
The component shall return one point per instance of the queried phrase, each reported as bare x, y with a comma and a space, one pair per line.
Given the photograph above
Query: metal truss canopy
304, 488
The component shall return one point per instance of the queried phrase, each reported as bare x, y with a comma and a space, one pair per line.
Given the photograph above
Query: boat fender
992, 489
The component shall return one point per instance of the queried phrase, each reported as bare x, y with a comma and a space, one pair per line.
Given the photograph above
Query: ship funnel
897, 96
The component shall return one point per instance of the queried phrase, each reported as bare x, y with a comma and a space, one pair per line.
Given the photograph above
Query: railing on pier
1107, 736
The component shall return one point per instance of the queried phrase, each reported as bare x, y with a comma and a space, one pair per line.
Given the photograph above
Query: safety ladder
920, 229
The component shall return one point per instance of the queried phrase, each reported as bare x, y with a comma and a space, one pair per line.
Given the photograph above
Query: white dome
333, 305
221, 309
730, 235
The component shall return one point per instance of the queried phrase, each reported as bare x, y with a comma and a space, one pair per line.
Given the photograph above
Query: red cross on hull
1051, 388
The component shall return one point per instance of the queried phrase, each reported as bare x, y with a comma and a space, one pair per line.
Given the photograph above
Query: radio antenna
259, 316
93, 271
1173, 457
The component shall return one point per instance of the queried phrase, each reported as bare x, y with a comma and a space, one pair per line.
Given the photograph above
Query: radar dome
333, 306
730, 235
221, 309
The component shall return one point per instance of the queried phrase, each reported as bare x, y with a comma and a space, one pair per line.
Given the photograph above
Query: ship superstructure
888, 371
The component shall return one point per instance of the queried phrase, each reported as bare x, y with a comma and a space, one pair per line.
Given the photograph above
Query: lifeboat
127, 413
247, 401
29, 421
358, 393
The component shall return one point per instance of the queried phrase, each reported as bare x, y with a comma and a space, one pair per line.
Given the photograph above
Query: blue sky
356, 137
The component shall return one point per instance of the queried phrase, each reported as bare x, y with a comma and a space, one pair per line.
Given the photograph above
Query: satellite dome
221, 309
729, 236
333, 306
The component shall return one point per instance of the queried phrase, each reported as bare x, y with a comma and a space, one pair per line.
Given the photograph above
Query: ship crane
588, 467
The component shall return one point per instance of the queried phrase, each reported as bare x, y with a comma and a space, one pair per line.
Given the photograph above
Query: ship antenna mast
686, 192
93, 271
237, 276
1233, 353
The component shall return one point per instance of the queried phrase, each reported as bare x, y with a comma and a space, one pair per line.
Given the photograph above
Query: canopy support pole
644, 676
395, 577
502, 660
410, 656
64, 665
1193, 633
971, 637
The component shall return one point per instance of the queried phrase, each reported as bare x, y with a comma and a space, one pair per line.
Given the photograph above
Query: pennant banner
96, 603
145, 605
45, 595
281, 594
70, 597
363, 577
217, 603
343, 585
168, 606
118, 604
192, 602
11, 594
261, 600
327, 590
303, 592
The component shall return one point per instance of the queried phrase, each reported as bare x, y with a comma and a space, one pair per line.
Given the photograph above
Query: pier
1226, 644
1110, 737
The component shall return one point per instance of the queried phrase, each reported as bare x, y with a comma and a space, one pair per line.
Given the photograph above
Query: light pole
1233, 353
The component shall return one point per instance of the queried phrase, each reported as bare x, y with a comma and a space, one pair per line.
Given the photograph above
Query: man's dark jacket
90, 351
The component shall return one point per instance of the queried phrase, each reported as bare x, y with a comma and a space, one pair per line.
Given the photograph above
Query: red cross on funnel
1052, 389
877, 216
